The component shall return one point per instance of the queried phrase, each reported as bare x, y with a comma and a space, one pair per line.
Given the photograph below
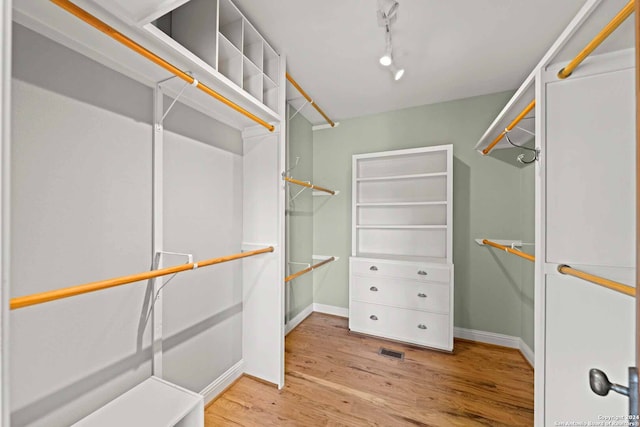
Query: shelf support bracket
184, 87
298, 110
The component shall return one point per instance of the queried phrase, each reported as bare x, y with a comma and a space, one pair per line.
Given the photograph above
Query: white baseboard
331, 309
291, 324
496, 339
487, 337
527, 352
212, 391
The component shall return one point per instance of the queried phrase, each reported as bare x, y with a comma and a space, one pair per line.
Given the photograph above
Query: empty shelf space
268, 83
427, 241
398, 165
230, 61
402, 215
250, 69
396, 257
230, 23
418, 190
403, 227
252, 45
366, 205
395, 177
270, 97
271, 63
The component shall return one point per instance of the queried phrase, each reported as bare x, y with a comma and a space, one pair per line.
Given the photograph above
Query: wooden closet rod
610, 284
308, 269
510, 250
598, 39
308, 185
126, 41
25, 301
308, 98
509, 128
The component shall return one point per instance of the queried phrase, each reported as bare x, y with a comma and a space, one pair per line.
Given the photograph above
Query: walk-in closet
395, 212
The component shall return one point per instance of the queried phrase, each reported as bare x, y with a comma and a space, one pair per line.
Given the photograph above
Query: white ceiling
450, 49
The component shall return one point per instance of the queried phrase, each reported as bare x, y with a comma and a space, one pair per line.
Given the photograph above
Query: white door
587, 211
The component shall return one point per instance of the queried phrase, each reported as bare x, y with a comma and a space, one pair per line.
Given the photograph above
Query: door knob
601, 386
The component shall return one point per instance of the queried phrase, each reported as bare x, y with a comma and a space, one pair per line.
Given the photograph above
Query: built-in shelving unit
219, 34
401, 272
401, 204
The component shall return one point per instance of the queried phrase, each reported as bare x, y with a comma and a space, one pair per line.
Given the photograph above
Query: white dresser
401, 271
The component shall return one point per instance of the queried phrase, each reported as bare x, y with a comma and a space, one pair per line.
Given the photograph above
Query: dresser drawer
402, 293
418, 327
415, 271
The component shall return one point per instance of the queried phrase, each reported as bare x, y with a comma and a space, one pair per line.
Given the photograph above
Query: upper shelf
593, 16
55, 23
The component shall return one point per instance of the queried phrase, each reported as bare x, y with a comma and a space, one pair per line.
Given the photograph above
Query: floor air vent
391, 353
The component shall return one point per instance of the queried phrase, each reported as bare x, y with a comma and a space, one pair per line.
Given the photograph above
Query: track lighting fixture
387, 14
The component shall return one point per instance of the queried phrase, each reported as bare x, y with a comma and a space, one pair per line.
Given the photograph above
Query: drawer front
418, 327
432, 297
407, 271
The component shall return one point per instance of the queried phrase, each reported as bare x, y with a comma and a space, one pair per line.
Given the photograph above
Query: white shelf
365, 205
395, 177
396, 257
403, 227
154, 402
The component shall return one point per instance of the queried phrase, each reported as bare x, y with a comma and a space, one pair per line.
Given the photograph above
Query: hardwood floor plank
334, 378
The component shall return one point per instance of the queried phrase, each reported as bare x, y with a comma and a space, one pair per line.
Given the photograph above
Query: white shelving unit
230, 44
401, 272
223, 51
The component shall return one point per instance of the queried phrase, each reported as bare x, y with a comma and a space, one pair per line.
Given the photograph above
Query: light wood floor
334, 378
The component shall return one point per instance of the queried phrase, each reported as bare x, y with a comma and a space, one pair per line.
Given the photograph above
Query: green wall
299, 214
490, 195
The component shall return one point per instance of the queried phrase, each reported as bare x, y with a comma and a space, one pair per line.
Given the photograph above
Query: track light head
386, 60
396, 72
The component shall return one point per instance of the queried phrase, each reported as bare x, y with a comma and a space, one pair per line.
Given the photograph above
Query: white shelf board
395, 177
153, 402
403, 227
395, 257
374, 204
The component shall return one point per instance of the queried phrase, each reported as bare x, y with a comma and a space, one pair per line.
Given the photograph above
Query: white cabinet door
587, 209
